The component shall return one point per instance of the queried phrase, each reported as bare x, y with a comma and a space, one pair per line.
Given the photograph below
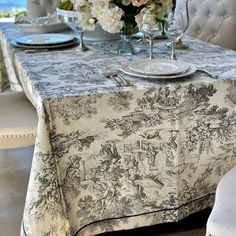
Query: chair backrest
211, 20
4, 82
222, 220
18, 121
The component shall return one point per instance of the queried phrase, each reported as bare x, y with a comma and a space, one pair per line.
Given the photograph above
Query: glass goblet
124, 46
174, 33
150, 31
182, 18
72, 19
78, 30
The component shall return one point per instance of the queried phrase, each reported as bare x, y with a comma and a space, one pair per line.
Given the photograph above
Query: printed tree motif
131, 123
230, 97
72, 176
63, 142
196, 99
206, 131
163, 97
49, 201
120, 101
74, 109
160, 104
201, 185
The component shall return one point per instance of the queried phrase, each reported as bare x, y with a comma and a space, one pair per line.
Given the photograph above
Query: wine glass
174, 33
151, 29
72, 19
124, 46
181, 18
76, 26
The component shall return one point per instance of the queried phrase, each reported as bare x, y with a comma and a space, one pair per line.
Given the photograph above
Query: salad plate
158, 67
44, 39
125, 68
47, 46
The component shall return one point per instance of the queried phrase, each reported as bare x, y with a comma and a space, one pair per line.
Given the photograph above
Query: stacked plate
44, 41
158, 69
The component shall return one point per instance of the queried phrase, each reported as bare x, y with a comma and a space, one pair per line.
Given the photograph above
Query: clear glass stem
173, 56
127, 40
124, 46
151, 47
143, 40
81, 46
78, 30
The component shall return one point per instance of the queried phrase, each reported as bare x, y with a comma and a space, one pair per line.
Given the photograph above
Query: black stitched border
146, 213
23, 227
121, 217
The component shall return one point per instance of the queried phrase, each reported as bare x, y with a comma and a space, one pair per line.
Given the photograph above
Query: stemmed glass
150, 31
72, 19
124, 46
181, 18
78, 30
174, 33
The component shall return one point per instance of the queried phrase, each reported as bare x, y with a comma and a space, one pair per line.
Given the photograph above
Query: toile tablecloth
109, 158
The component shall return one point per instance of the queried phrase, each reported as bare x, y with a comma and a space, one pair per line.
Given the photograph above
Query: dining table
116, 156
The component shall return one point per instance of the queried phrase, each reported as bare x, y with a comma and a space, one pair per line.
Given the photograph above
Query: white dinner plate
44, 39
15, 44
126, 69
42, 29
158, 67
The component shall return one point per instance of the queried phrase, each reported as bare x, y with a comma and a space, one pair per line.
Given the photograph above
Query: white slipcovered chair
18, 121
18, 117
222, 220
213, 21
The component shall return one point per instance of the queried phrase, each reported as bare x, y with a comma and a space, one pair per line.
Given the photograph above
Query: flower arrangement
114, 15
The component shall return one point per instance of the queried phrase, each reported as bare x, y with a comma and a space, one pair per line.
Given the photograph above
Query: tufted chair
213, 21
222, 220
18, 117
18, 121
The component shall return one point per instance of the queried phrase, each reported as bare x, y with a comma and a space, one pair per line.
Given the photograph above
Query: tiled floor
14, 173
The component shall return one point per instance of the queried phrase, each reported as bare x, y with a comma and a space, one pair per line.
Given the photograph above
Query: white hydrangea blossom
109, 15
110, 19
87, 22
155, 10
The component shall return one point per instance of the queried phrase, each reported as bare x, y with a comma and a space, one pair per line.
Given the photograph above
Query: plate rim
15, 44
20, 42
192, 70
182, 69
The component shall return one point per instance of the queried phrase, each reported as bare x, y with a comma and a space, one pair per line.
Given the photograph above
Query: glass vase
124, 45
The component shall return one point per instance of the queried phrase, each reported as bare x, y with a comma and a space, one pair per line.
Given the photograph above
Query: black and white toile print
109, 158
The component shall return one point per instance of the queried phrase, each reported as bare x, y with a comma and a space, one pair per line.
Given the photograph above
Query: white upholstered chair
18, 121
213, 21
222, 220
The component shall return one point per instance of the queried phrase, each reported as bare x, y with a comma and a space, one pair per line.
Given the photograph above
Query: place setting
158, 69
38, 42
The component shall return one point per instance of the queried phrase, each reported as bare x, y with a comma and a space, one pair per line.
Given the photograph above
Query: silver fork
121, 78
125, 81
111, 76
